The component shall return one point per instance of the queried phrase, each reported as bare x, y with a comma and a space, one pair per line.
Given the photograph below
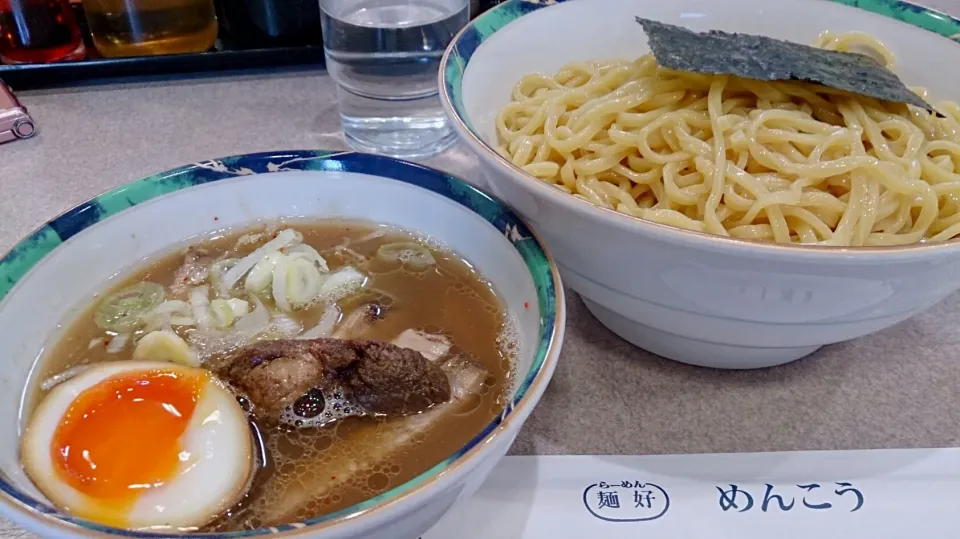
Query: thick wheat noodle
794, 162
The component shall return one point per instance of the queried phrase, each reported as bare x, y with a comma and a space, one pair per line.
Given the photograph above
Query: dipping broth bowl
692, 297
57, 269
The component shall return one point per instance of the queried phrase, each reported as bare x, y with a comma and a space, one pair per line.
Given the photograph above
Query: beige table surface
894, 389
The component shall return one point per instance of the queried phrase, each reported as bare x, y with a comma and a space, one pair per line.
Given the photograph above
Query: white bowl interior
33, 313
579, 30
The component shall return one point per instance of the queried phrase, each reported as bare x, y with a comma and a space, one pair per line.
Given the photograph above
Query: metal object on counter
15, 122
39, 31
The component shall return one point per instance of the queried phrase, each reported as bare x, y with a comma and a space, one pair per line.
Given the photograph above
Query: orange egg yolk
121, 437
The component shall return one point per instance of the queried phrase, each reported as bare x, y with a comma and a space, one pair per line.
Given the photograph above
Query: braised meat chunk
274, 374
373, 377
387, 379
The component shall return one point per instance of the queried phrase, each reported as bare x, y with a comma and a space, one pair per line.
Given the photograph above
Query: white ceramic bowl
688, 296
48, 276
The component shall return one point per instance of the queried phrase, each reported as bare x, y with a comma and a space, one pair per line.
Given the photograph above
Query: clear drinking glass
384, 56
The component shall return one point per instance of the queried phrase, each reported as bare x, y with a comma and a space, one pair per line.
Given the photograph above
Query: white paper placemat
903, 494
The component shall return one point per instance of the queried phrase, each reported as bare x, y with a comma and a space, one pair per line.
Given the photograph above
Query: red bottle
38, 31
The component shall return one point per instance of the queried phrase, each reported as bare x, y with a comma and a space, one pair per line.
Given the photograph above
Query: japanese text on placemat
806, 496
637, 501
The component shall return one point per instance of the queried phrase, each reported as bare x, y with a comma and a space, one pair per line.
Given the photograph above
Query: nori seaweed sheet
765, 58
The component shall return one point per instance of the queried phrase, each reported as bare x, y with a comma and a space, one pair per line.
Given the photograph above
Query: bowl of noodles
382, 371
827, 210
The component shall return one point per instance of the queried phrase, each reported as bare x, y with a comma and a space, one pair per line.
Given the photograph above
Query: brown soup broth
449, 297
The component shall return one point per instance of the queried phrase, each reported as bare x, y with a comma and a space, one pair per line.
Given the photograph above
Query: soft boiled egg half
140, 444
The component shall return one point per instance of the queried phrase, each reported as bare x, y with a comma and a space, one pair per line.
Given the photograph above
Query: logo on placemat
626, 501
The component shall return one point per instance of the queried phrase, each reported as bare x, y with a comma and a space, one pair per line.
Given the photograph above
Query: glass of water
384, 56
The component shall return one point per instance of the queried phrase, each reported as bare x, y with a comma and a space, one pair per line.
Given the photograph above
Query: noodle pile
782, 161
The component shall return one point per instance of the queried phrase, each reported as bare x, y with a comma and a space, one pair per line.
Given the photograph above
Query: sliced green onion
342, 283
306, 252
173, 306
165, 346
280, 285
123, 311
239, 307
200, 302
303, 282
284, 238
255, 322
222, 313
220, 268
260, 277
172, 312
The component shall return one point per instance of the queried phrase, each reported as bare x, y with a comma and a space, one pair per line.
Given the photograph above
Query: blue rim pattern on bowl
18, 262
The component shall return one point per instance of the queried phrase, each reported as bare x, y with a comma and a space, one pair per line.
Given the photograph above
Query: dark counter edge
37, 76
